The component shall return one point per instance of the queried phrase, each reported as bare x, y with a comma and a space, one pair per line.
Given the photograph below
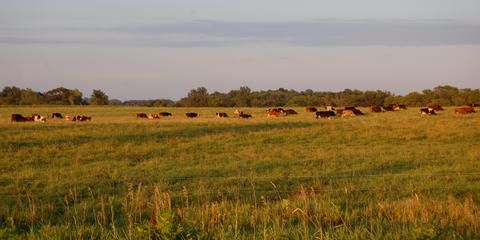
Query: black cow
386, 109
165, 114
325, 114
246, 116
290, 112
191, 115
20, 118
57, 115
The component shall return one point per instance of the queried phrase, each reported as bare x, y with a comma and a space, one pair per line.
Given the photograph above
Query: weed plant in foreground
392, 175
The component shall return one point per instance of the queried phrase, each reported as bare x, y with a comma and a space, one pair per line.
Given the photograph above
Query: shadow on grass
189, 131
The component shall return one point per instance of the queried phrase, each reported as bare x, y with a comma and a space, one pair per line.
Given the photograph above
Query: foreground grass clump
394, 175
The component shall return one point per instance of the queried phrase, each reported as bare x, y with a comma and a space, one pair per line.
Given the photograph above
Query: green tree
64, 96
98, 97
243, 98
10, 96
196, 98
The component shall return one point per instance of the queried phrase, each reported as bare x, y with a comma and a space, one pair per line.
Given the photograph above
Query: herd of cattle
272, 112
39, 118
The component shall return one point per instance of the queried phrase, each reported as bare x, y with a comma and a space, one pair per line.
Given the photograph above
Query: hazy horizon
160, 49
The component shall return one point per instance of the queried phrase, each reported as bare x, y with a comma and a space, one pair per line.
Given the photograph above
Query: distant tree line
245, 97
58, 96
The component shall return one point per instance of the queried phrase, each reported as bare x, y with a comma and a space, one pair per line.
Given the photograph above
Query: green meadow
392, 175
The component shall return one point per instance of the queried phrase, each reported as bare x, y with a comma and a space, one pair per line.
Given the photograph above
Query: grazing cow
19, 118
311, 109
38, 118
427, 111
221, 115
142, 115
191, 115
329, 108
290, 112
153, 116
246, 116
465, 110
238, 112
387, 109
325, 114
339, 111
57, 115
435, 107
473, 105
71, 118
165, 114
375, 109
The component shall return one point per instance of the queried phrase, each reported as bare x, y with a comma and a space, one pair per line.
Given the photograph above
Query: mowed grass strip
341, 168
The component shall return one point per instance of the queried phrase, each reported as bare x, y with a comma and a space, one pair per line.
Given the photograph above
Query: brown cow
356, 111
375, 109
311, 109
435, 107
339, 111
465, 110
273, 112
71, 118
142, 115
153, 116
398, 106
348, 112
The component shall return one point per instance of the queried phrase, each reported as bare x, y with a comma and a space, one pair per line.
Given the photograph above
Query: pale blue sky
162, 49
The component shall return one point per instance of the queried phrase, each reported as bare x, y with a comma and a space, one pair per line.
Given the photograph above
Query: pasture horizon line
244, 97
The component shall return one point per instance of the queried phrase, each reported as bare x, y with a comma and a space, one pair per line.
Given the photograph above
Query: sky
151, 49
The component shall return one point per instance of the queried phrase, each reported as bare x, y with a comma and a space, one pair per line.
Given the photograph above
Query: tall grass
392, 175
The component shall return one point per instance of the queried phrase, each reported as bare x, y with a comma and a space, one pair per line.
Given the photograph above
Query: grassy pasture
393, 175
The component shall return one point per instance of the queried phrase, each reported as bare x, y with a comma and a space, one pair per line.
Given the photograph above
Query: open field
393, 175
